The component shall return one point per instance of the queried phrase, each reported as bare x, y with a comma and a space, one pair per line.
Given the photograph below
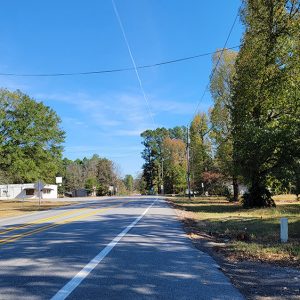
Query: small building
79, 193
27, 191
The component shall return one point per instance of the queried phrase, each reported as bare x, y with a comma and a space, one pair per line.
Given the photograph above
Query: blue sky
106, 113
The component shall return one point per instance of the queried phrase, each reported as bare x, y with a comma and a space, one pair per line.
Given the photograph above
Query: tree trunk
256, 193
259, 195
235, 189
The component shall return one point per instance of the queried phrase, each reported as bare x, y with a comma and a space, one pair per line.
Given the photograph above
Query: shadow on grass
293, 208
225, 207
213, 208
255, 229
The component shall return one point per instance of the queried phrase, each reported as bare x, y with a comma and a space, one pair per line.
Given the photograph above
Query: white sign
58, 179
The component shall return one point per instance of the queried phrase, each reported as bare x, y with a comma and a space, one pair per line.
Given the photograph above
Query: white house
27, 191
242, 188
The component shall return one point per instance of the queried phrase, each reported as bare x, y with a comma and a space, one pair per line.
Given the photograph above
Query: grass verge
251, 234
12, 208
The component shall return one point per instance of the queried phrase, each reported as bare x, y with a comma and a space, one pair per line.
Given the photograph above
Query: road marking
67, 289
16, 237
39, 221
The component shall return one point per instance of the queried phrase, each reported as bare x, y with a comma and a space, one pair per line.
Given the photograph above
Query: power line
182, 59
204, 92
215, 67
133, 62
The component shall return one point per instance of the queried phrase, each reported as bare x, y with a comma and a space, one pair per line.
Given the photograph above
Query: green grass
253, 233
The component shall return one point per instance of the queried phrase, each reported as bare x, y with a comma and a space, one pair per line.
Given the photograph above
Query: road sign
58, 180
40, 187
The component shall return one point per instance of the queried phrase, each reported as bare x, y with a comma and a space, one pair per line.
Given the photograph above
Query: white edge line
68, 288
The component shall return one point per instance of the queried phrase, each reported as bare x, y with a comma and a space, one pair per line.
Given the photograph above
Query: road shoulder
255, 280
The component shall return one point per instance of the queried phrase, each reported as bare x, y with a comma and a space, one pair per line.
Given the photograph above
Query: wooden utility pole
188, 162
162, 178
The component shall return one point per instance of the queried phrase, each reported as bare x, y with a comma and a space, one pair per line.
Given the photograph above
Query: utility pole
39, 186
162, 177
188, 162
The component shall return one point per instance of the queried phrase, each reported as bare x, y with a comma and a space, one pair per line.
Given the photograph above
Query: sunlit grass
19, 207
252, 233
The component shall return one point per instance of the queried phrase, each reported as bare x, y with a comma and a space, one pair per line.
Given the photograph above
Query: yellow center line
69, 220
39, 221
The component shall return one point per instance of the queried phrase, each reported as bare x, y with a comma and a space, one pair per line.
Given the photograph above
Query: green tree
90, 166
30, 138
220, 117
200, 160
178, 133
91, 184
106, 175
95, 174
129, 183
175, 165
153, 156
266, 95
140, 184
73, 175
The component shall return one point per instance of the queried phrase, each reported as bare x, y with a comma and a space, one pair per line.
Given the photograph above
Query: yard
251, 234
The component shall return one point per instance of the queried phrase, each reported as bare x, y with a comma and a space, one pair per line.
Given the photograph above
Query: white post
40, 186
22, 192
284, 230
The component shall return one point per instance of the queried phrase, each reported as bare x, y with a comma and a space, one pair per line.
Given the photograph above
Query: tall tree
106, 175
175, 165
179, 133
266, 94
140, 184
73, 175
153, 156
30, 138
220, 117
200, 149
129, 183
90, 166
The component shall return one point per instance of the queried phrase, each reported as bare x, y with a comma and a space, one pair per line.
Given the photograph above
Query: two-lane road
122, 248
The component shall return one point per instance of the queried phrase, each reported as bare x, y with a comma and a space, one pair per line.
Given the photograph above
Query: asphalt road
123, 248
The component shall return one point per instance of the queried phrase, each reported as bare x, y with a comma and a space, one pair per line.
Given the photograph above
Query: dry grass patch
248, 233
14, 208
285, 198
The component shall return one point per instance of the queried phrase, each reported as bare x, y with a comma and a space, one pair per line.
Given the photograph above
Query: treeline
165, 154
252, 132
165, 163
31, 148
99, 176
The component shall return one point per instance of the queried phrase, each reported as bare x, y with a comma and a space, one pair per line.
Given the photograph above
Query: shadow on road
154, 260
